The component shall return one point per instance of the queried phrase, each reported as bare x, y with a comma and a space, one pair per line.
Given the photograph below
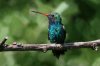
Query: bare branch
45, 47
3, 41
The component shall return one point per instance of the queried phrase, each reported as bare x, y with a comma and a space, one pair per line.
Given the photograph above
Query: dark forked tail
57, 53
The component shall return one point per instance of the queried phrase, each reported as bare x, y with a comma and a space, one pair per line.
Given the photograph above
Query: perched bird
56, 31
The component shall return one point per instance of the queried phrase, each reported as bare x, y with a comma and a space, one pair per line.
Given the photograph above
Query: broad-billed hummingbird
56, 31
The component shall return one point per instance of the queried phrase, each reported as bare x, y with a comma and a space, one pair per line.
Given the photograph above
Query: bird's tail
57, 53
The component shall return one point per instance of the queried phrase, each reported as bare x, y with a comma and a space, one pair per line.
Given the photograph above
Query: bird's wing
64, 32
48, 35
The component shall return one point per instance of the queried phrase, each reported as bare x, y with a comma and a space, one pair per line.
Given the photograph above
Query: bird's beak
40, 13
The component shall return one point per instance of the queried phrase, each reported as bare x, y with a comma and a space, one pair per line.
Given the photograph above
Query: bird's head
53, 17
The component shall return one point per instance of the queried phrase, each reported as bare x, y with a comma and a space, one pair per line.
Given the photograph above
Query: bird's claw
58, 46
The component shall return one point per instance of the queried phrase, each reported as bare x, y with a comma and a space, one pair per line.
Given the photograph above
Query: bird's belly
56, 34
55, 37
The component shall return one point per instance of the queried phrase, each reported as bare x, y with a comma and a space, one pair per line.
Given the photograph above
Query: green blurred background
80, 17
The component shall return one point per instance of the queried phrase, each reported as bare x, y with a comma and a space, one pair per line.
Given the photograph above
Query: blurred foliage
81, 20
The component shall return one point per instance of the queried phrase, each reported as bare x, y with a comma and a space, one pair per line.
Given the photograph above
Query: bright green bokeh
80, 17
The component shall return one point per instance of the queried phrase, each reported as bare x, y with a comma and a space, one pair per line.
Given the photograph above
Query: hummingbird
56, 31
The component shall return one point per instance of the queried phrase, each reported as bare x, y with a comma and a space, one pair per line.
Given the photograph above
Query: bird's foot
59, 46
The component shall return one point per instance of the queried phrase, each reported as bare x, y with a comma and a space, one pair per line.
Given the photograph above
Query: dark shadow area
86, 10
80, 22
8, 6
